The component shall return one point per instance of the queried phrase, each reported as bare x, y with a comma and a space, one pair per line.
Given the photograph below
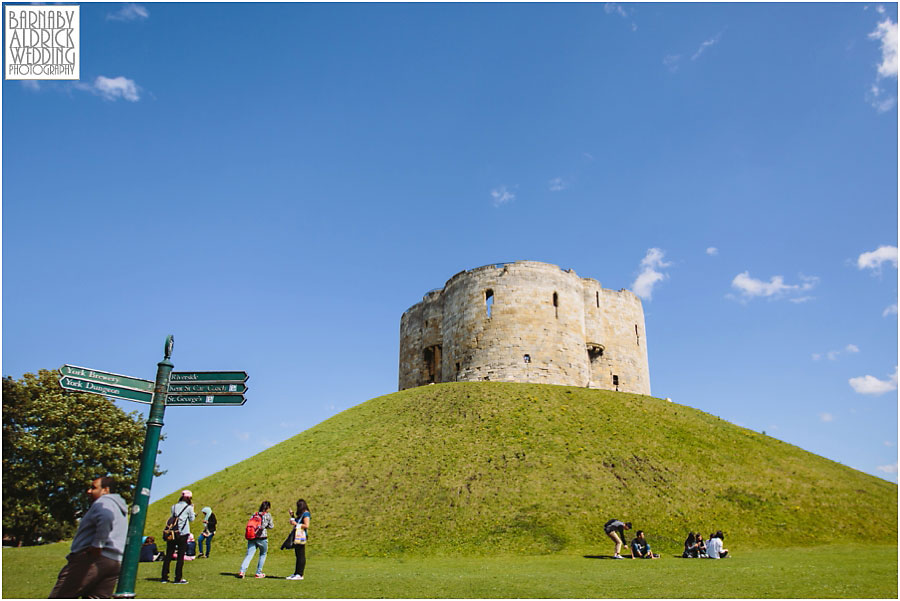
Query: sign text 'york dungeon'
42, 42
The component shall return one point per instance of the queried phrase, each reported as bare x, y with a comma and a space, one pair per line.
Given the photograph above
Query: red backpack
254, 527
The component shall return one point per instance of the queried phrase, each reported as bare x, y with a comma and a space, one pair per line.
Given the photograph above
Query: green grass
489, 468
833, 571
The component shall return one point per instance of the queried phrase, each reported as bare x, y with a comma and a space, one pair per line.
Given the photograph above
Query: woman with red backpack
258, 538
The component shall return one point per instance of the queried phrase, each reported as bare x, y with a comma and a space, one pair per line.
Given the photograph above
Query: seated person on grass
640, 548
690, 546
714, 548
701, 546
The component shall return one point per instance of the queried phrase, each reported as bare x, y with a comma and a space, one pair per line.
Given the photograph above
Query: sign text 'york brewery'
103, 377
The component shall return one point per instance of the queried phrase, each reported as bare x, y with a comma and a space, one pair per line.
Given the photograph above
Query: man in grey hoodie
96, 554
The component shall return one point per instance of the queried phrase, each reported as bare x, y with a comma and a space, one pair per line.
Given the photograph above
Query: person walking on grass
615, 530
300, 520
92, 567
183, 512
259, 540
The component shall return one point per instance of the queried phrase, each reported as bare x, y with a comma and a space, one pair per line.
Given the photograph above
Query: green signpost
205, 399
114, 391
103, 377
208, 376
188, 388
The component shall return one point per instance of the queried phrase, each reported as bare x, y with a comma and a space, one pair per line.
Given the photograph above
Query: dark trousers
300, 554
179, 545
86, 576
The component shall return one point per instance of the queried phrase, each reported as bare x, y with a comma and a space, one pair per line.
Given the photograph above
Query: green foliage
54, 443
487, 468
849, 571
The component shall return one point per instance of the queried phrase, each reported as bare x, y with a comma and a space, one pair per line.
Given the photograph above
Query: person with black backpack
183, 512
258, 538
615, 529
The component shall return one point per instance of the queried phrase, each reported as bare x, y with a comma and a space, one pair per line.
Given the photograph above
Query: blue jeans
200, 540
252, 545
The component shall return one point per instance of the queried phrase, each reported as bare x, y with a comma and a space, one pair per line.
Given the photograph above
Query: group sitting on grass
694, 546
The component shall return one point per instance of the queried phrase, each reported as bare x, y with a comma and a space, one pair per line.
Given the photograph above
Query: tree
54, 443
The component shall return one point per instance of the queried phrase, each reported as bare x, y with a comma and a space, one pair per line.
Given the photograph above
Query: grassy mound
483, 468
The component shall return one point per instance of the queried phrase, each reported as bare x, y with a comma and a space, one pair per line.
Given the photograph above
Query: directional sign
208, 376
106, 390
103, 377
220, 388
205, 399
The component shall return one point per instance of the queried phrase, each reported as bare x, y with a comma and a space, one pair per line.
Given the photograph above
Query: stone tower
525, 322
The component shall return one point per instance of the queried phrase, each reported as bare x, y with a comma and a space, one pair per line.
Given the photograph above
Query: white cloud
129, 12
826, 417
851, 348
874, 259
612, 7
750, 287
705, 45
111, 88
557, 184
886, 32
242, 435
650, 275
871, 385
888, 469
891, 310
671, 62
801, 299
712, 251
888, 443
833, 355
879, 9
816, 356
31, 85
502, 196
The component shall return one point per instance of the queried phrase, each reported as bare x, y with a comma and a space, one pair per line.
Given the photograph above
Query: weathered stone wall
525, 322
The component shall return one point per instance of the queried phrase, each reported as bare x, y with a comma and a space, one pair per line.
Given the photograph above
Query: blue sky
275, 184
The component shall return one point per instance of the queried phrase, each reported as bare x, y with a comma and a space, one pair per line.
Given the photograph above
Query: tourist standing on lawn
96, 555
615, 530
183, 511
301, 524
259, 541
209, 530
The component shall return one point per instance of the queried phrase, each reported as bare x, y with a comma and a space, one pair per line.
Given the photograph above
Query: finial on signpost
170, 342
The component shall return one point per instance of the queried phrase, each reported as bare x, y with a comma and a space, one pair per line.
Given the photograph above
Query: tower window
527, 358
556, 304
637, 335
615, 380
598, 300
488, 301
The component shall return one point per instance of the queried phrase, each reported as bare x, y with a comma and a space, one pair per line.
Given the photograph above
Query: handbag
289, 541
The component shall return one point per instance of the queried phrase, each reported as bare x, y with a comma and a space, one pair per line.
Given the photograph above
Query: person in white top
714, 549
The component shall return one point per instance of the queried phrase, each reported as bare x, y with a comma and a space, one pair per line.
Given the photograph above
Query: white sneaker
617, 556
294, 577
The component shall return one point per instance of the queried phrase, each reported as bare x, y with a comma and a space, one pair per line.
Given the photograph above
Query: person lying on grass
640, 548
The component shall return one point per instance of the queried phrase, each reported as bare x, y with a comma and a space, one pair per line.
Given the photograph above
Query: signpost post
203, 388
128, 572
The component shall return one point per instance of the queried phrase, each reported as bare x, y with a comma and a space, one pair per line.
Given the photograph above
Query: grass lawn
845, 571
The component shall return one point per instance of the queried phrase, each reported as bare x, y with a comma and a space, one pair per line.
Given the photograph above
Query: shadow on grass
235, 575
598, 557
